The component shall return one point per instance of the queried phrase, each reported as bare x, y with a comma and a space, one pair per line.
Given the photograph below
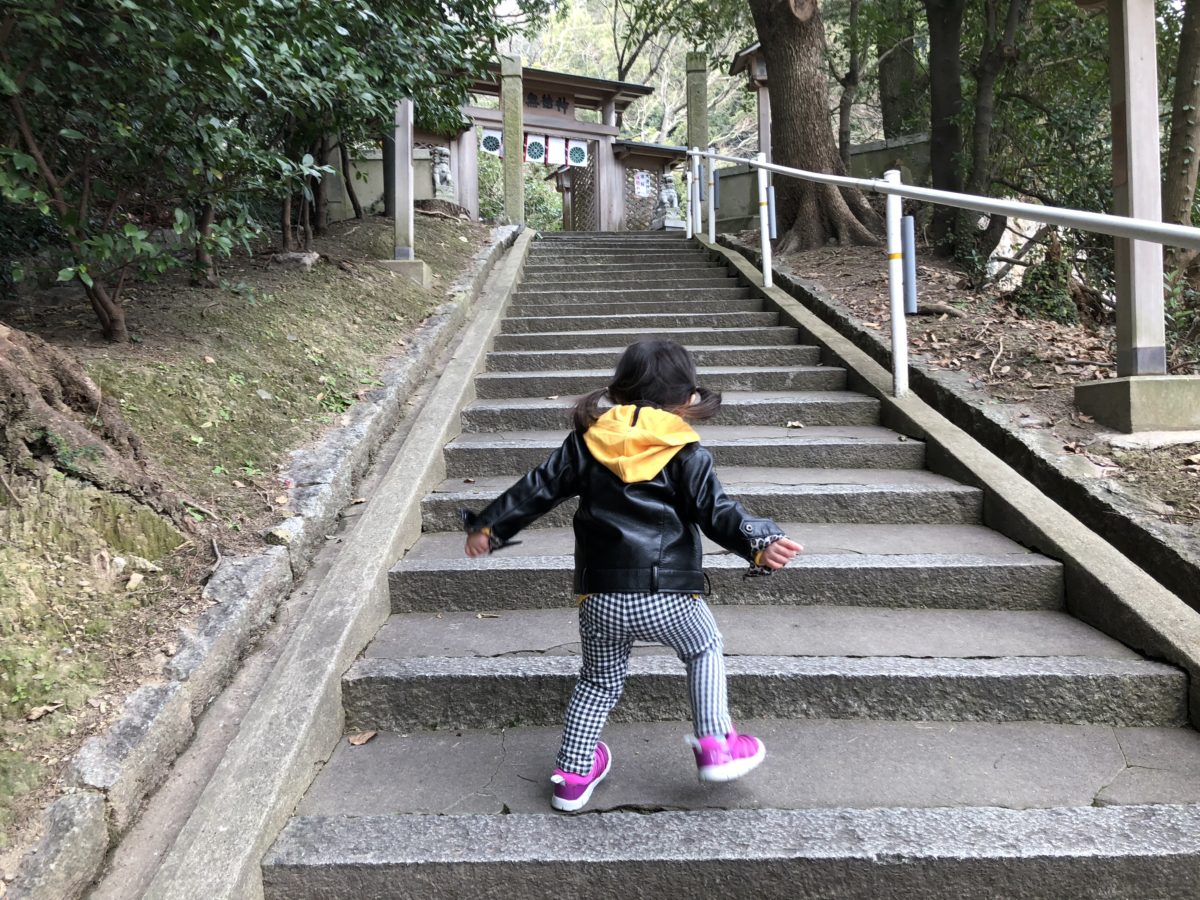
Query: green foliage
133, 120
543, 204
1045, 291
599, 38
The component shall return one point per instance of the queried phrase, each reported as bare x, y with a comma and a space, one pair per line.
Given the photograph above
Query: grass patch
67, 552
220, 384
268, 361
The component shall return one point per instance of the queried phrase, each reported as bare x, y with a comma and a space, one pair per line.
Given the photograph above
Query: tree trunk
306, 222
206, 269
1183, 160
50, 410
320, 222
996, 56
899, 94
109, 312
348, 178
809, 215
945, 19
849, 83
287, 239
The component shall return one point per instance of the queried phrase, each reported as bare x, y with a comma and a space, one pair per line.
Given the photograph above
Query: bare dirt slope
1030, 365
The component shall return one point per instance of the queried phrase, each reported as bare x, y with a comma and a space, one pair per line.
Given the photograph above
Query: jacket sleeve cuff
757, 546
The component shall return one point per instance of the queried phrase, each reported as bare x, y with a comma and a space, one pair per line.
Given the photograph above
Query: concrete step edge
977, 853
405, 694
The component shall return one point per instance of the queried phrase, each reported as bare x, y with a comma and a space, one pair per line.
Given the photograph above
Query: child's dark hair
652, 373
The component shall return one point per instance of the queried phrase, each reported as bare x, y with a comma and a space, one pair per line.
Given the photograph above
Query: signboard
546, 102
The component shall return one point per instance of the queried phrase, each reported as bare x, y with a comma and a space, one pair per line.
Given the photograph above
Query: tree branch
35, 151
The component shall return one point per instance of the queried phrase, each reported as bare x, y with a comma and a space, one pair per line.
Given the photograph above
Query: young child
644, 484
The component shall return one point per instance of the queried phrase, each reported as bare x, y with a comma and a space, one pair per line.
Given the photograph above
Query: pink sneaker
728, 758
571, 791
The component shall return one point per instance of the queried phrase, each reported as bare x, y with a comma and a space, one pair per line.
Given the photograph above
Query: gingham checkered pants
608, 626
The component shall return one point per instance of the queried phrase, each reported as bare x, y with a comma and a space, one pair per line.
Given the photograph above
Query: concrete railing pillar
511, 104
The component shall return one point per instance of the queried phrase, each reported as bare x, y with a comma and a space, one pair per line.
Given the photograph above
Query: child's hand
780, 553
478, 544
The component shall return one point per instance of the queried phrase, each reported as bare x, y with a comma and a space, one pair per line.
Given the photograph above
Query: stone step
542, 324
504, 692
622, 337
796, 631
553, 248
601, 237
809, 408
980, 852
539, 248
605, 257
882, 566
683, 303
598, 280
820, 446
846, 496
811, 764
496, 385
606, 358
648, 297
595, 270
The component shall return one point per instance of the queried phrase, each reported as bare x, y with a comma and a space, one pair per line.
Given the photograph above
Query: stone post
1141, 332
468, 171
697, 99
511, 104
399, 188
402, 178
1142, 397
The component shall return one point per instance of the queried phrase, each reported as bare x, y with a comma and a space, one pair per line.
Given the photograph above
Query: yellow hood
637, 452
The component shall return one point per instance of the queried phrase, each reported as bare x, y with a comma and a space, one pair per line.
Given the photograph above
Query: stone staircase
937, 725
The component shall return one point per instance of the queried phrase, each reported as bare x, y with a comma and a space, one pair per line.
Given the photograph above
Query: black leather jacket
641, 536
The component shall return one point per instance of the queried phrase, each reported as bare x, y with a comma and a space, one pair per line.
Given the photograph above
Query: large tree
901, 83
1183, 149
809, 215
956, 167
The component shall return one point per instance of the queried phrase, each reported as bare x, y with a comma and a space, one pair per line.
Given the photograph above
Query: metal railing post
895, 257
764, 220
712, 198
687, 179
695, 206
908, 232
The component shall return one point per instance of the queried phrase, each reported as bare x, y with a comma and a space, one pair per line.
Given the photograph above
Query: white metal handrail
1103, 223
